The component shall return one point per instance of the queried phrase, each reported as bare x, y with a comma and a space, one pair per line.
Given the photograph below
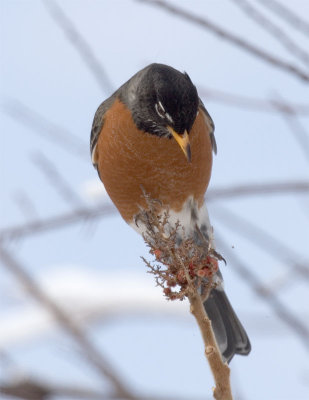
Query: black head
159, 97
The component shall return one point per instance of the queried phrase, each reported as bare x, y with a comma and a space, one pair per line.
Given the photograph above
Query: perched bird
155, 134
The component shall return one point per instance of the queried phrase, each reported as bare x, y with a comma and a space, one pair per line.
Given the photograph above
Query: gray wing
97, 125
210, 125
126, 94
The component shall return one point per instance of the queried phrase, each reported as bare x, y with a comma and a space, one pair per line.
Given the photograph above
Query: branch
25, 205
56, 179
269, 297
83, 48
90, 352
46, 129
85, 213
299, 132
185, 270
30, 389
264, 240
27, 390
230, 37
251, 103
288, 15
279, 34
258, 189
220, 371
59, 221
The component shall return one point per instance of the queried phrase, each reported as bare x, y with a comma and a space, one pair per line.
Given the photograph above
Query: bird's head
164, 102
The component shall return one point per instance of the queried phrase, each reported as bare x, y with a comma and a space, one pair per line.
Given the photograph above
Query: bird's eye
160, 109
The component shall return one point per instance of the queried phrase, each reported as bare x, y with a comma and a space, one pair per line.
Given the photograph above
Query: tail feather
230, 334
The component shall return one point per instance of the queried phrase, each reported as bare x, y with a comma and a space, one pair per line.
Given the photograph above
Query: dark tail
230, 334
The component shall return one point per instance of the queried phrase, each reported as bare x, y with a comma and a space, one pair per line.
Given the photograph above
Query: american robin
155, 134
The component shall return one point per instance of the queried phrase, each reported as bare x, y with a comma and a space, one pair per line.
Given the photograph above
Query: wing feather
210, 125
97, 126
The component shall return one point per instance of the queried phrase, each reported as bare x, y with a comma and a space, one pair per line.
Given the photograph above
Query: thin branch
26, 205
56, 179
288, 15
43, 225
257, 189
297, 129
183, 267
25, 390
90, 352
264, 240
220, 371
59, 221
46, 129
249, 103
278, 33
231, 38
80, 44
31, 389
269, 297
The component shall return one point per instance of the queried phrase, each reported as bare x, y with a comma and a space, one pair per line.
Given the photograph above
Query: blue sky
42, 70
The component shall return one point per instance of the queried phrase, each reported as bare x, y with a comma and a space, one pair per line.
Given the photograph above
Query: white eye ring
160, 109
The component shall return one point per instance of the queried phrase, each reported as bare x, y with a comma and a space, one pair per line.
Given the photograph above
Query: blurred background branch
85, 213
45, 128
90, 352
279, 34
230, 37
287, 14
245, 102
78, 41
269, 296
296, 128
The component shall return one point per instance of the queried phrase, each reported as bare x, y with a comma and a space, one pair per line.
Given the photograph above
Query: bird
154, 134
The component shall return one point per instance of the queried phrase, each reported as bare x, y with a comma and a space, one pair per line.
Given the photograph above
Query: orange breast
129, 159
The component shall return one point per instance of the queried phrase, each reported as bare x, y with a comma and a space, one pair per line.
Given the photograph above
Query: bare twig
90, 352
264, 240
250, 103
299, 132
83, 48
288, 15
220, 371
268, 25
42, 225
269, 297
56, 179
258, 189
230, 37
46, 129
59, 221
31, 389
26, 205
28, 388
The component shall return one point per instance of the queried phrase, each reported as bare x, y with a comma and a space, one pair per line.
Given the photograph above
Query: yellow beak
183, 141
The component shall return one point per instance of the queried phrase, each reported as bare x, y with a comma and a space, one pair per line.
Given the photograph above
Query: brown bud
171, 282
181, 276
201, 273
157, 253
